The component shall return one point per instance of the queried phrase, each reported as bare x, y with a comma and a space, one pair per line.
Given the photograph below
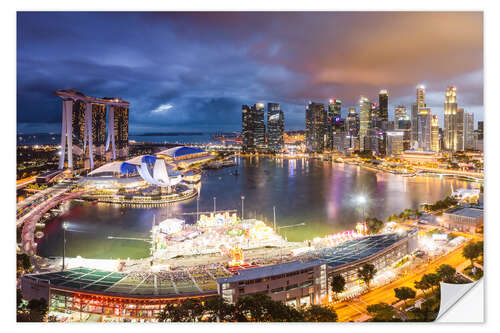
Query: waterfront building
478, 144
352, 126
424, 129
468, 130
435, 133
247, 129
395, 145
253, 127
460, 129
315, 127
405, 127
83, 129
463, 219
259, 126
383, 105
364, 121
275, 127
420, 157
450, 120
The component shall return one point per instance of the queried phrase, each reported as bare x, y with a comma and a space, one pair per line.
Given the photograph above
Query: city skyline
278, 62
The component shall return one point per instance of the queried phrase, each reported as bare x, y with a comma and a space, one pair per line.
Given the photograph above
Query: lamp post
362, 201
242, 207
214, 204
197, 208
65, 226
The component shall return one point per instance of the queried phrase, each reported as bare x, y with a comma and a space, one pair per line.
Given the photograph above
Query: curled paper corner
465, 309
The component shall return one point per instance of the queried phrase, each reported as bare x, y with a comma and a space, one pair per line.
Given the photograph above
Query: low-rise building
465, 219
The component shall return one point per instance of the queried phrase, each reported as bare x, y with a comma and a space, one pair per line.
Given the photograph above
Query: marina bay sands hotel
86, 138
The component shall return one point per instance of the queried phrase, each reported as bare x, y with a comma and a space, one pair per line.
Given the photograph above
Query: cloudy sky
193, 71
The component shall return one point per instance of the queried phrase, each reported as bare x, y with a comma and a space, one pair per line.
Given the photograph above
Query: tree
382, 312
432, 280
446, 273
404, 293
338, 283
374, 225
367, 273
316, 313
421, 285
471, 251
219, 310
23, 263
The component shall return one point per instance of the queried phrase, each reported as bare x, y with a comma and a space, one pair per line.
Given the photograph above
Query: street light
242, 206
362, 201
65, 226
214, 204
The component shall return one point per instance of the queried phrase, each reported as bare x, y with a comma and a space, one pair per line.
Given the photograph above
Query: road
353, 309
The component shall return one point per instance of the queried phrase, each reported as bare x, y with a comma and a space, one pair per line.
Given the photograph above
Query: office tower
364, 121
424, 129
460, 129
435, 133
468, 130
450, 120
374, 119
247, 128
383, 105
404, 126
414, 114
275, 127
352, 127
400, 113
260, 126
480, 130
334, 124
394, 143
315, 127
99, 130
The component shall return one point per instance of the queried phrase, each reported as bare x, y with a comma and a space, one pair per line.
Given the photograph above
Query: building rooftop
272, 270
466, 212
181, 151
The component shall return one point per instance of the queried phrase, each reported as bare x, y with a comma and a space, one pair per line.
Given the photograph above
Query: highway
355, 309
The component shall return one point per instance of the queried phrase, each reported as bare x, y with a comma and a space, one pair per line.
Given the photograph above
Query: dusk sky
193, 71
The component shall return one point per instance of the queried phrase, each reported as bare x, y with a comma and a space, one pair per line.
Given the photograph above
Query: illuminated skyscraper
394, 143
83, 129
400, 113
460, 129
435, 133
352, 127
275, 127
315, 127
383, 105
247, 128
468, 131
260, 126
424, 129
414, 113
450, 120
364, 122
333, 124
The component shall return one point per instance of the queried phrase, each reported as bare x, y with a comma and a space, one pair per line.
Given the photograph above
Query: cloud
162, 108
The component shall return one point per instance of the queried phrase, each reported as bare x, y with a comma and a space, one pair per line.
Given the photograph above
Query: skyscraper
121, 130
364, 121
315, 127
352, 127
480, 130
414, 113
435, 133
468, 130
424, 129
383, 105
260, 126
247, 128
83, 129
334, 123
394, 143
450, 121
275, 127
400, 113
